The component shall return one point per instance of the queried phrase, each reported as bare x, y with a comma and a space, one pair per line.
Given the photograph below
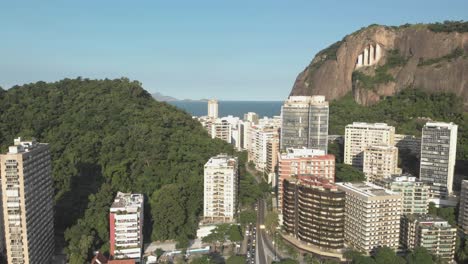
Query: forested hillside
107, 136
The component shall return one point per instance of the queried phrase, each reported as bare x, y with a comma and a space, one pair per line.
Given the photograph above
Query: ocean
234, 108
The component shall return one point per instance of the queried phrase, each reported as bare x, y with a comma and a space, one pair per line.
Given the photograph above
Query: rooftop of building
99, 258
291, 153
440, 125
403, 136
398, 178
381, 146
21, 145
129, 201
313, 181
366, 189
369, 125
427, 220
222, 160
306, 100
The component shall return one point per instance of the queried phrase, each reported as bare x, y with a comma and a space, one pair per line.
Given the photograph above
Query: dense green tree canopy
107, 136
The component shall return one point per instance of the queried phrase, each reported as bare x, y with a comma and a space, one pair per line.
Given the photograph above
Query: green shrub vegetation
107, 136
381, 76
385, 255
449, 26
458, 52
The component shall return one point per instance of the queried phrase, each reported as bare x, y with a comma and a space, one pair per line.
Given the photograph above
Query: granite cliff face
380, 61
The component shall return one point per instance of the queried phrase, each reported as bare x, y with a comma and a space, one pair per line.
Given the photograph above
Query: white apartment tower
220, 188
359, 136
213, 108
258, 149
372, 216
305, 122
380, 161
438, 154
126, 226
27, 202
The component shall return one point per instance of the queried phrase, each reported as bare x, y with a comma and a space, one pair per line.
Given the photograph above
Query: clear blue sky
247, 50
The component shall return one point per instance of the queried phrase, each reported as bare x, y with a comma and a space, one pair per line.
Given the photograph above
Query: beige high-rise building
380, 161
359, 136
27, 201
259, 137
213, 108
221, 181
272, 154
372, 216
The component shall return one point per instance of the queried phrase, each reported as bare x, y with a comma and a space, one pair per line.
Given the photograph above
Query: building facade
372, 216
430, 232
258, 149
415, 193
126, 219
220, 188
314, 212
359, 136
380, 161
302, 162
213, 108
27, 202
272, 154
305, 122
408, 143
438, 154
463, 209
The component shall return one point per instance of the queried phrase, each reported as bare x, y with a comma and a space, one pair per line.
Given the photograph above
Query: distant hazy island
166, 98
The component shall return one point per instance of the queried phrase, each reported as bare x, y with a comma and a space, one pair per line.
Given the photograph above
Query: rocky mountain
380, 61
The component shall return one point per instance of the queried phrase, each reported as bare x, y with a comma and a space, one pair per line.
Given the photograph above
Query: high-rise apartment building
213, 108
305, 122
438, 154
372, 216
380, 161
251, 117
27, 202
415, 193
126, 226
314, 212
272, 154
220, 188
222, 129
463, 209
258, 149
304, 162
430, 232
359, 136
